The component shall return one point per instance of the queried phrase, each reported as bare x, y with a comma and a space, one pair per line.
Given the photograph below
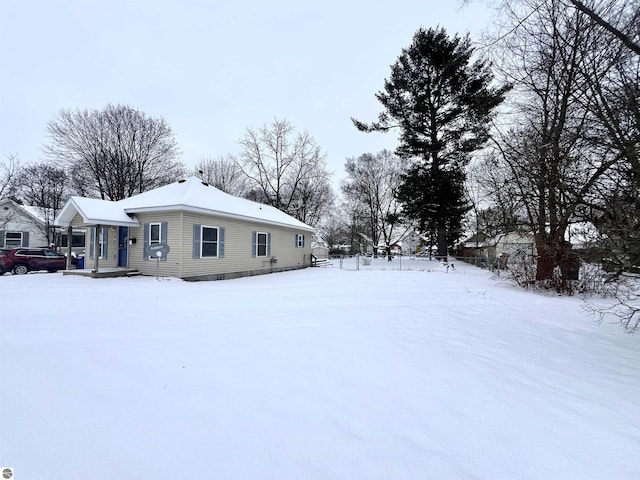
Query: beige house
208, 234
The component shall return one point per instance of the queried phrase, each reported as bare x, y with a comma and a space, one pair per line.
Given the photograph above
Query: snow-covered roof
191, 195
95, 212
31, 211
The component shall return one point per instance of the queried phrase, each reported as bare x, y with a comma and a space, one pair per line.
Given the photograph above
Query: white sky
211, 68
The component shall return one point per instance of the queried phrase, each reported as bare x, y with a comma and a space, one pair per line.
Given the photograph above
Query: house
319, 247
484, 250
191, 230
20, 226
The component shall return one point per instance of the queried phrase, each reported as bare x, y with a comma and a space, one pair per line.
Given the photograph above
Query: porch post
96, 248
69, 240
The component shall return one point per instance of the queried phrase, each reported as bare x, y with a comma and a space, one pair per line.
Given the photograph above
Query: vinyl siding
237, 248
168, 268
19, 222
112, 249
77, 221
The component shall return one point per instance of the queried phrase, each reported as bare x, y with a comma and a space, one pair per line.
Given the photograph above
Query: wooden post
96, 248
69, 240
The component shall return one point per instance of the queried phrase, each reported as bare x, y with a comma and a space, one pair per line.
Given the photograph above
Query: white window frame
299, 240
151, 240
7, 233
266, 243
101, 243
203, 241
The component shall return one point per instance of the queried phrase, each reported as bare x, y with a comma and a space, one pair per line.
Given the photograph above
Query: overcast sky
211, 68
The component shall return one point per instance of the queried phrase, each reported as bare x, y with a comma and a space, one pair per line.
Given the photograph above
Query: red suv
23, 260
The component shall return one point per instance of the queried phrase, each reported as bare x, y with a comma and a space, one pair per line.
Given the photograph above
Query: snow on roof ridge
195, 193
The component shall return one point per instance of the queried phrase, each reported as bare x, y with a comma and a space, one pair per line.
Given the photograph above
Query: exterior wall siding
111, 261
236, 262
19, 222
238, 259
169, 267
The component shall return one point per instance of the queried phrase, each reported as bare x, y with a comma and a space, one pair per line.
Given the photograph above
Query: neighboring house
20, 226
211, 235
319, 247
488, 250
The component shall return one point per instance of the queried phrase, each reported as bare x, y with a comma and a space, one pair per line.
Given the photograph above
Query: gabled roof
94, 212
32, 212
191, 195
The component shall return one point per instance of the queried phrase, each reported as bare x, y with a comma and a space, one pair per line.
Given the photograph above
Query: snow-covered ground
313, 374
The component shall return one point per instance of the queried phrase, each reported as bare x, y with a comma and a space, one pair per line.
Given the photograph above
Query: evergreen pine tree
442, 103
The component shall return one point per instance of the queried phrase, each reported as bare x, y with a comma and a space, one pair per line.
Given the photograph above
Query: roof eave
218, 213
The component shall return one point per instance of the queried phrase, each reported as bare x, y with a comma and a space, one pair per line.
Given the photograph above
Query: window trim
8, 232
102, 243
151, 241
266, 244
202, 241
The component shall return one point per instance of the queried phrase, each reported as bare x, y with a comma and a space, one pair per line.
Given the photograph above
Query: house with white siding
21, 226
208, 234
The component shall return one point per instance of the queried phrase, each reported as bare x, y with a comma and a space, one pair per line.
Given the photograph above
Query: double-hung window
102, 243
299, 240
13, 239
100, 246
155, 233
261, 244
209, 243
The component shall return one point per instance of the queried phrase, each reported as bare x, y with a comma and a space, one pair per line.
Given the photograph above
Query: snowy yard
313, 374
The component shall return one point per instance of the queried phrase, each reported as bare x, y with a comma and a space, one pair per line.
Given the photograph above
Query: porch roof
95, 212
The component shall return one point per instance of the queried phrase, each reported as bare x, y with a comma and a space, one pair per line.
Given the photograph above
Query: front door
123, 246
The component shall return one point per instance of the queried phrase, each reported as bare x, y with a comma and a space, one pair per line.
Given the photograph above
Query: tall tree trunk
442, 240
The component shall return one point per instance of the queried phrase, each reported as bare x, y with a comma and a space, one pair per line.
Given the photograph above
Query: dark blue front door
123, 245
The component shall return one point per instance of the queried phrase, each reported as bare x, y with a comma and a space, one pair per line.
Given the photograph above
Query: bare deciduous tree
9, 169
548, 159
223, 173
286, 169
114, 153
45, 187
372, 183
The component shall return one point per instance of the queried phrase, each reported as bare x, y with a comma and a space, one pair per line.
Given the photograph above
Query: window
13, 239
261, 243
102, 241
155, 233
77, 240
299, 241
209, 244
208, 241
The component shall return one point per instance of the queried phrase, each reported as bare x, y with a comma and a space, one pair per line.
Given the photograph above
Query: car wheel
20, 269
